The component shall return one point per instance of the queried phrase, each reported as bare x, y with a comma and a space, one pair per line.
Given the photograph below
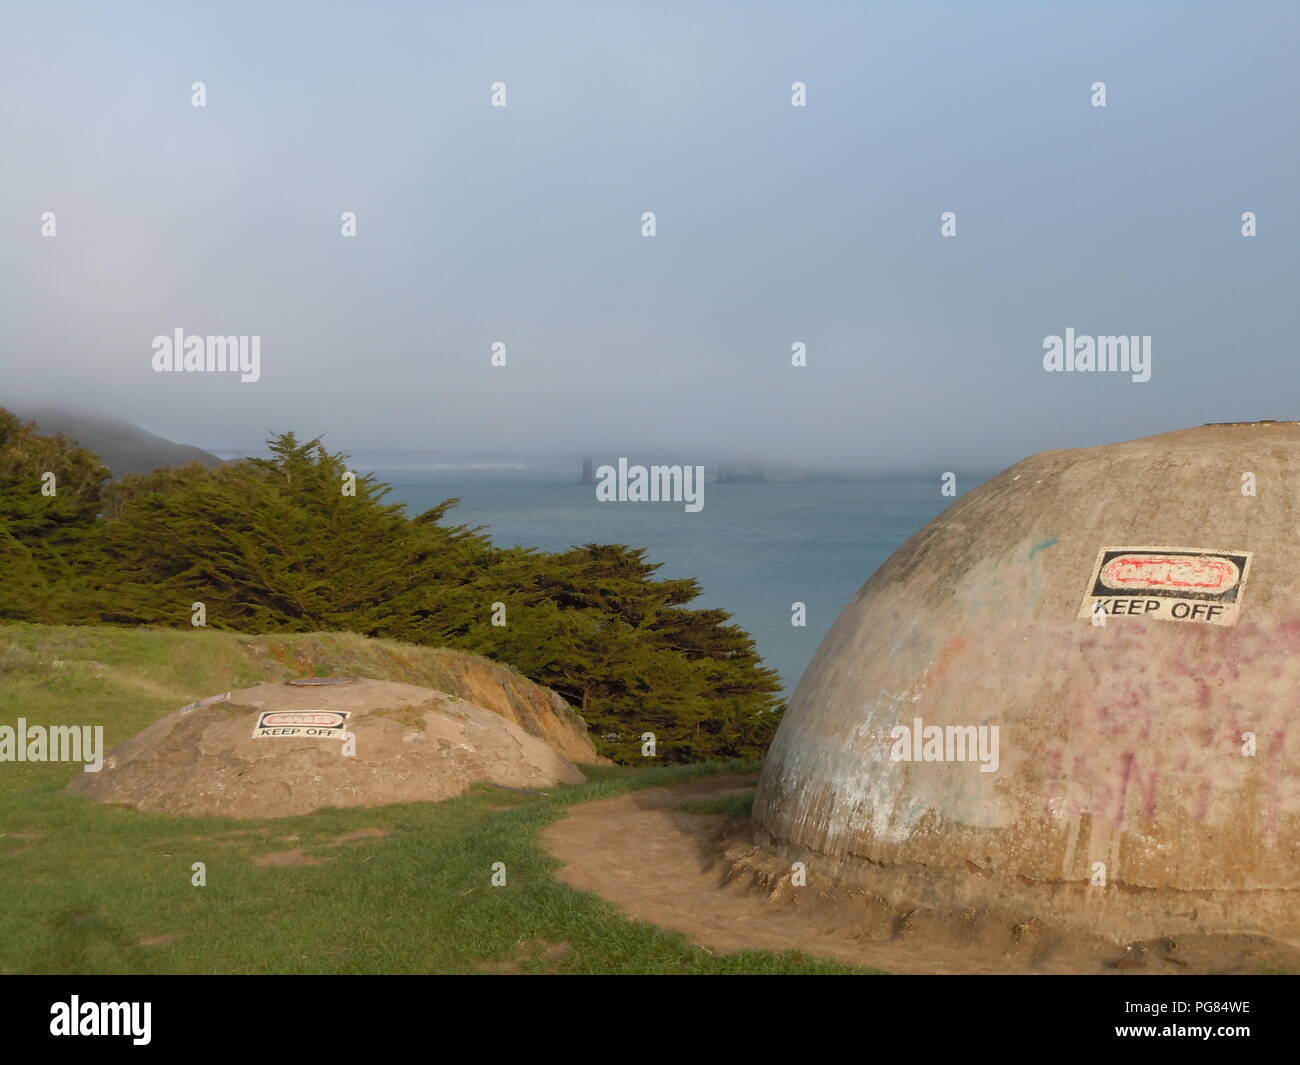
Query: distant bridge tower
588, 475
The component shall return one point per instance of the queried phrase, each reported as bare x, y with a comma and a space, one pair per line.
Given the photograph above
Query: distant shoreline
379, 462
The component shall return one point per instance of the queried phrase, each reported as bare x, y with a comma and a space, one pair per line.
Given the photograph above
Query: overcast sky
775, 224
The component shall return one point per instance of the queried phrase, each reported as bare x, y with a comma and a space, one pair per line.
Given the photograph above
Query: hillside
129, 677
124, 448
92, 887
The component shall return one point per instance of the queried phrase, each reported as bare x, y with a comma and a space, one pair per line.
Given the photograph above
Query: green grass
83, 884
738, 807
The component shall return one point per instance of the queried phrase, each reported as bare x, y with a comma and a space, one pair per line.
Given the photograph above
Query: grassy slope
83, 884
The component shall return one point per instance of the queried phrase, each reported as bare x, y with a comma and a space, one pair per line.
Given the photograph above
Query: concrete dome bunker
285, 748
1071, 698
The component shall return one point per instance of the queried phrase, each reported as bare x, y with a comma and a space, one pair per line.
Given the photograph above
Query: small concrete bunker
1127, 618
293, 747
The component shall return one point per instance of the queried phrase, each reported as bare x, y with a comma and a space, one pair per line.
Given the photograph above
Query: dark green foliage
623, 647
46, 522
277, 545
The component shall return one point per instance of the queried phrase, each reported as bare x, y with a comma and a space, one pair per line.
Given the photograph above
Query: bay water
755, 548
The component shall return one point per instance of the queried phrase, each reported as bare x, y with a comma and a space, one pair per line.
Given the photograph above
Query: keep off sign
1168, 584
276, 724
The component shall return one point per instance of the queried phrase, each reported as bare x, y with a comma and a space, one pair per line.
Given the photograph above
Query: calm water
755, 548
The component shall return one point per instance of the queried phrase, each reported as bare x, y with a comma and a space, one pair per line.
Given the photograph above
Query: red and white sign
317, 724
1167, 584
1148, 572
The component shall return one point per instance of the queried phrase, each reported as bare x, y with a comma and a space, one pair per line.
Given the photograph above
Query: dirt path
658, 863
654, 860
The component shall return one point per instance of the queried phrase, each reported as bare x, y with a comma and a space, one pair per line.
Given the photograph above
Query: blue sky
774, 224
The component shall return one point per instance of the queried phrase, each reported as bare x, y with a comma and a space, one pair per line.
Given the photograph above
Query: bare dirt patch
533, 951
277, 859
156, 941
699, 874
237, 836
12, 843
299, 855
358, 835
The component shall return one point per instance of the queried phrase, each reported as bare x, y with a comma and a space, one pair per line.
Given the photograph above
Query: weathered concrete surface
1120, 744
412, 744
491, 685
